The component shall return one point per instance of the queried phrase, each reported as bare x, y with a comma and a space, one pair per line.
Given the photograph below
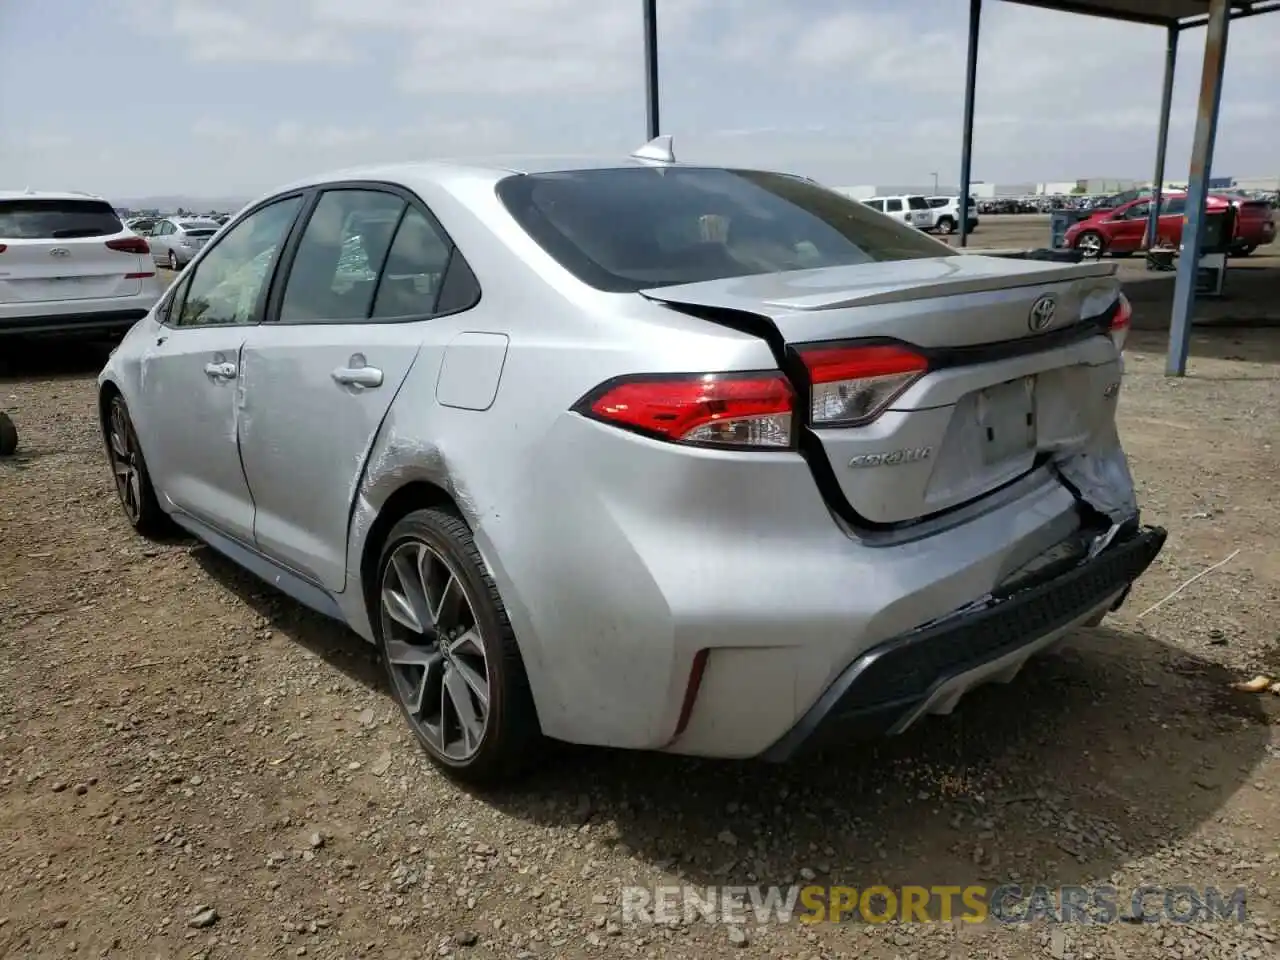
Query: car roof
449, 171
47, 195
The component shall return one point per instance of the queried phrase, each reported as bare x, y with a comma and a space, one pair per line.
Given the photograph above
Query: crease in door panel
240, 414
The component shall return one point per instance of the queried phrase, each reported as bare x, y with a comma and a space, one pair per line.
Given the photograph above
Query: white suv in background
946, 214
913, 211
68, 265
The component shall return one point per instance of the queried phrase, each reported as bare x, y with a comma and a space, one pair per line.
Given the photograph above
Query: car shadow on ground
51, 358
1105, 750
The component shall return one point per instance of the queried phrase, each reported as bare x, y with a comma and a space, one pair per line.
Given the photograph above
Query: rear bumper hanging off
893, 684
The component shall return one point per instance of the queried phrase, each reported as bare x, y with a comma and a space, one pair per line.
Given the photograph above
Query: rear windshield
632, 228
200, 231
37, 219
938, 201
917, 203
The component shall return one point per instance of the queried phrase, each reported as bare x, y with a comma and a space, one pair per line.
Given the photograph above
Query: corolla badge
1042, 312
59, 252
907, 455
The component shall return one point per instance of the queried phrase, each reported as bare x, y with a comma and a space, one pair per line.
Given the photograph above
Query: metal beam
1085, 9
1253, 10
1166, 103
651, 68
1184, 294
970, 86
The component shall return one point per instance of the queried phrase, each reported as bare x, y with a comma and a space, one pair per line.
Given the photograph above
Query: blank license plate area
1007, 420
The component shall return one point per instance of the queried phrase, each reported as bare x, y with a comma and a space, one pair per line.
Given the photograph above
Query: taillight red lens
1120, 322
853, 384
3, 247
129, 245
718, 410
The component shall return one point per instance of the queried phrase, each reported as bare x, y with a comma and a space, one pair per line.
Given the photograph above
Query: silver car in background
638, 453
175, 240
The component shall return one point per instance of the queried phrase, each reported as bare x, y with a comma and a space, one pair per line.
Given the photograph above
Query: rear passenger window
334, 275
894, 206
414, 274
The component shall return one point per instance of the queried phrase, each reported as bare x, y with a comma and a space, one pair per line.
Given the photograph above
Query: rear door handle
358, 376
220, 371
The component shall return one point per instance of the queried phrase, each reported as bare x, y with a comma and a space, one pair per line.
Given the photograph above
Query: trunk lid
1004, 388
36, 271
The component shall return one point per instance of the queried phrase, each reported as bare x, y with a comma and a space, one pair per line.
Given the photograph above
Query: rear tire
1246, 250
8, 436
129, 471
946, 226
173, 261
451, 657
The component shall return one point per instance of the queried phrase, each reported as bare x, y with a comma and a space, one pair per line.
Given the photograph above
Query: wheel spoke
408, 605
431, 674
470, 724
475, 680
410, 655
444, 609
118, 446
467, 644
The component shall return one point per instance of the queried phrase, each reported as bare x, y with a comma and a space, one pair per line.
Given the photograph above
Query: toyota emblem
1042, 312
59, 252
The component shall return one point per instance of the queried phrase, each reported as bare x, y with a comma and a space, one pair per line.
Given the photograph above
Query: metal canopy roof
1161, 13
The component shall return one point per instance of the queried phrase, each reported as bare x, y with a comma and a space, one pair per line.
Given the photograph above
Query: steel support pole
970, 85
1184, 293
1166, 103
651, 67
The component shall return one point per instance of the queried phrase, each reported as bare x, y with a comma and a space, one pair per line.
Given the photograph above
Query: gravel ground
194, 766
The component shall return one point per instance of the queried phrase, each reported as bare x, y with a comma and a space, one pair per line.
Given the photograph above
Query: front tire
129, 470
449, 651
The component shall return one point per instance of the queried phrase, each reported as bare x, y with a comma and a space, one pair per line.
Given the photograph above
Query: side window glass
1173, 206
229, 280
414, 272
172, 306
895, 206
1139, 211
334, 274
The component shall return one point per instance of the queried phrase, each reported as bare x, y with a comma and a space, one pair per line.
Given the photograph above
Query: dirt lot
176, 738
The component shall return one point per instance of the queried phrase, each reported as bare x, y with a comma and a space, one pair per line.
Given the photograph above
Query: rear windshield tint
200, 231
632, 228
938, 201
917, 203
37, 219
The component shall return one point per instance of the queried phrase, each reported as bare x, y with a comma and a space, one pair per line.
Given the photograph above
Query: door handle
220, 371
358, 376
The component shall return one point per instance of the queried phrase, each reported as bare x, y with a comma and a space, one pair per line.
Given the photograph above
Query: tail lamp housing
129, 245
852, 384
1121, 319
742, 411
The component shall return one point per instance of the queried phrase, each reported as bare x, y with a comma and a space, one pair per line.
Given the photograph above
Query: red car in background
1120, 231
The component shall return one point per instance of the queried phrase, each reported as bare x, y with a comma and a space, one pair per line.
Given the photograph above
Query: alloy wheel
435, 651
1090, 245
123, 447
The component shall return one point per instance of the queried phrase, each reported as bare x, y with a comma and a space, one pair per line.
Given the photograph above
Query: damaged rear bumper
928, 670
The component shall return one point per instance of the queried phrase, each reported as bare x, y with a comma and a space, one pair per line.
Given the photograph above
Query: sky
136, 98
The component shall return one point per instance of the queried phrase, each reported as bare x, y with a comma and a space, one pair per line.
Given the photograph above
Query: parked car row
934, 214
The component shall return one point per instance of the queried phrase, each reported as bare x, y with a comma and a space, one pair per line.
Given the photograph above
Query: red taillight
139, 276
719, 410
854, 384
1120, 322
129, 245
3, 247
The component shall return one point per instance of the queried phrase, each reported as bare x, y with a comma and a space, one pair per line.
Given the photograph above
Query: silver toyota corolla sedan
639, 454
